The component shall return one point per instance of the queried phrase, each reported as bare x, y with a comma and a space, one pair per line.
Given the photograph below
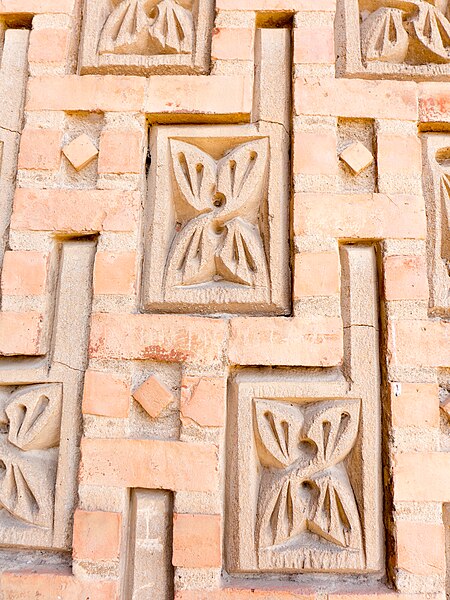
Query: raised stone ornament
145, 36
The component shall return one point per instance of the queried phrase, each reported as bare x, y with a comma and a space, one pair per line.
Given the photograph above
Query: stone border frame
90, 62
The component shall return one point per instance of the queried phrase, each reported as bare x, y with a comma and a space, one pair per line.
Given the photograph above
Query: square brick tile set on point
225, 300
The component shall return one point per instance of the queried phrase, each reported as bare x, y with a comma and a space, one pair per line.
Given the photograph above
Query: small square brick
105, 394
357, 157
80, 152
96, 535
153, 396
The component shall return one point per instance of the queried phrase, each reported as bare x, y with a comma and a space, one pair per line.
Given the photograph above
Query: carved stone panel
146, 36
397, 38
437, 196
216, 222
30, 420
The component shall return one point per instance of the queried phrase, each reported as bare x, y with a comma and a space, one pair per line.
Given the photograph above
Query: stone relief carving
214, 231
142, 36
398, 37
305, 488
437, 197
29, 453
142, 27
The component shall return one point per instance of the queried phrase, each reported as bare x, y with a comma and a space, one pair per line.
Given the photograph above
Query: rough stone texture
292, 309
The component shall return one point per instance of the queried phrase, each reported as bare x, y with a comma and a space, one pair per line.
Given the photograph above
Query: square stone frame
160, 219
243, 472
90, 62
350, 62
437, 227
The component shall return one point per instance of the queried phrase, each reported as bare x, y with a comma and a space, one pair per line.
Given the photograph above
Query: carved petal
34, 415
192, 259
445, 189
195, 172
242, 258
432, 30
241, 178
336, 516
333, 427
383, 36
173, 28
27, 483
126, 30
277, 427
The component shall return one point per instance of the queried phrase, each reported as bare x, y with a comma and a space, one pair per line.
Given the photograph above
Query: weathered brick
40, 149
115, 273
121, 152
286, 341
149, 464
399, 154
405, 278
316, 274
168, 338
315, 153
196, 541
232, 43
414, 404
422, 477
21, 333
203, 401
24, 273
417, 343
106, 394
96, 535
421, 547
49, 46
314, 44
153, 395
36, 6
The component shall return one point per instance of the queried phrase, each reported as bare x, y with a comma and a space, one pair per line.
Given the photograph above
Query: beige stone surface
357, 157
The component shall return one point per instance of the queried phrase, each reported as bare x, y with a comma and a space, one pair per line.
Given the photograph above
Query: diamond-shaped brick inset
357, 157
80, 152
153, 396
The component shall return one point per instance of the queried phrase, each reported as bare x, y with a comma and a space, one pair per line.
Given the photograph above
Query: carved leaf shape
242, 258
34, 414
383, 36
333, 427
432, 30
336, 516
27, 483
277, 428
241, 178
172, 27
126, 29
195, 172
445, 190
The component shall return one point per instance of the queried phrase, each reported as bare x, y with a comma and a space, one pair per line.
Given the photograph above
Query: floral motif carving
411, 31
146, 27
305, 488
29, 453
220, 242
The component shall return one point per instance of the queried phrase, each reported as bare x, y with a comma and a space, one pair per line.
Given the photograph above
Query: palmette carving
28, 453
407, 31
223, 243
304, 485
146, 28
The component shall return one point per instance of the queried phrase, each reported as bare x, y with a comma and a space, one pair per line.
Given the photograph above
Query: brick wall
224, 326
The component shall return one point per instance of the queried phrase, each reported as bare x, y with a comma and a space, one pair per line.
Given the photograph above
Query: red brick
121, 152
21, 333
314, 44
356, 98
153, 395
96, 535
434, 102
232, 44
24, 273
167, 338
405, 278
416, 343
315, 153
203, 401
49, 46
286, 341
417, 404
421, 547
41, 584
422, 477
40, 149
152, 464
360, 216
115, 273
75, 211
196, 541
316, 274
87, 92
106, 394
